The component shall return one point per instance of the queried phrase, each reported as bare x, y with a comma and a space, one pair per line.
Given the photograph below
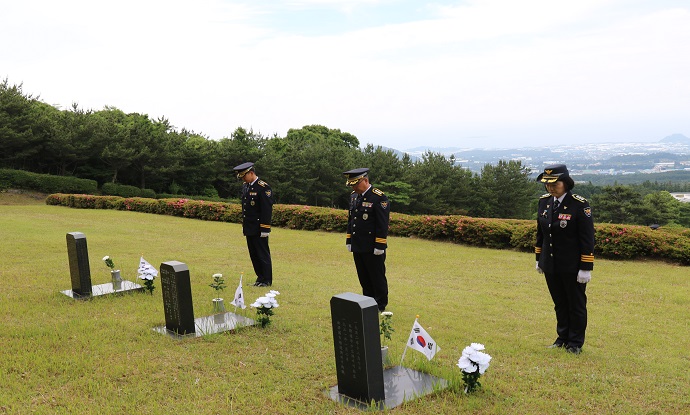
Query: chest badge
365, 216
564, 223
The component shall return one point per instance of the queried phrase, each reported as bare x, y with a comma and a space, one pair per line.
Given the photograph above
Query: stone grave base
106, 289
216, 323
400, 384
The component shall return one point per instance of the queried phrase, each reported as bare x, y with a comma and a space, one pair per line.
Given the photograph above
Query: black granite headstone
79, 270
357, 347
177, 297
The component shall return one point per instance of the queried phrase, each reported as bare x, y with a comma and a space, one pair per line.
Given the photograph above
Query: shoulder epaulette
579, 198
545, 195
261, 183
377, 191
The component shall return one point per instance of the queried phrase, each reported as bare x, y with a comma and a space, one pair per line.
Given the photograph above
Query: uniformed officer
257, 209
367, 230
565, 254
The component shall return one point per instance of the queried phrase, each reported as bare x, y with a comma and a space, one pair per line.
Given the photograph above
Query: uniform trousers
260, 255
570, 304
371, 271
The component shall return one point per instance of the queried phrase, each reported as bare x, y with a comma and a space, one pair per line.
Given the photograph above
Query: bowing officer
565, 254
257, 209
367, 230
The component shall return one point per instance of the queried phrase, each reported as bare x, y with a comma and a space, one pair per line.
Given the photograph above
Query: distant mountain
442, 150
676, 138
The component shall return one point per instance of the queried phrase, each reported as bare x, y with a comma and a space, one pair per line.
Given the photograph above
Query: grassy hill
102, 356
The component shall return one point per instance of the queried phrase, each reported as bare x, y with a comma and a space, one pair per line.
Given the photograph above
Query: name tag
367, 204
564, 216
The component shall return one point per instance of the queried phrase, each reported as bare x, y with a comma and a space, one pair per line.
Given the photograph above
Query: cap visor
549, 179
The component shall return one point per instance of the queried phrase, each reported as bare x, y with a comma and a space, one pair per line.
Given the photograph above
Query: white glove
379, 251
264, 234
583, 276
539, 270
349, 248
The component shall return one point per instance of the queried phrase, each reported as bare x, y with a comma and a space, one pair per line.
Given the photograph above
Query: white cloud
495, 67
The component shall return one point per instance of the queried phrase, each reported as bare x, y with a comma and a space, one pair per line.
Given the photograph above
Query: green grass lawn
101, 356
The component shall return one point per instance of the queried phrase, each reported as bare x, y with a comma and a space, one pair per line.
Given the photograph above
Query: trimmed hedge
612, 241
124, 190
45, 183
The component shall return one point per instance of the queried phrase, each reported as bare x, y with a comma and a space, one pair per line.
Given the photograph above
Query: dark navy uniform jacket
367, 224
565, 238
257, 208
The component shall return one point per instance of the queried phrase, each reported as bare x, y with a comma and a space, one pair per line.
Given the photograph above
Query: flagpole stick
403, 355
407, 343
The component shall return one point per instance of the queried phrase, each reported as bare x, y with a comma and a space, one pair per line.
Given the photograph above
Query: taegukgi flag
238, 301
421, 341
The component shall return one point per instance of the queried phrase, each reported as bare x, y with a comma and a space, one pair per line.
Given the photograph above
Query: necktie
556, 203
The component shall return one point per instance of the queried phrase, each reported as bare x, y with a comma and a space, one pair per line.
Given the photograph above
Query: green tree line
304, 167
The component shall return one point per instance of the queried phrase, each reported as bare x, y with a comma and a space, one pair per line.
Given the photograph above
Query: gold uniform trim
587, 258
348, 236
380, 240
240, 174
537, 250
265, 226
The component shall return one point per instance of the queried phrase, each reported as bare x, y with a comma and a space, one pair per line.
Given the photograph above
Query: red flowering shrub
611, 241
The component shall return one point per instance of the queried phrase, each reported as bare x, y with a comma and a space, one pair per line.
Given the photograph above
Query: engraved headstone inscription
357, 347
177, 297
79, 270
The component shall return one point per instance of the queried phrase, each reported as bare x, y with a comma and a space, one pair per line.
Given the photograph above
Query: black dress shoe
573, 349
556, 345
262, 284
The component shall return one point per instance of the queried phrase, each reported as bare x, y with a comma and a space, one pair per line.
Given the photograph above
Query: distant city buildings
582, 159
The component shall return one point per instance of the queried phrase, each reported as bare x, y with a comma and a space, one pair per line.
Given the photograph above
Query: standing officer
565, 254
367, 229
257, 209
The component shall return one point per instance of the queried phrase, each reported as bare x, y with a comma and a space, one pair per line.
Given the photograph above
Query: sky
395, 73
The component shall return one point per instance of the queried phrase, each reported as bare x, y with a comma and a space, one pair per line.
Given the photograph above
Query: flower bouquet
218, 284
147, 273
115, 277
264, 307
473, 364
109, 262
386, 325
386, 329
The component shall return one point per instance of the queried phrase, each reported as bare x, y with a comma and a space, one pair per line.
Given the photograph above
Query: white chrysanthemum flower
477, 346
105, 258
467, 365
482, 360
270, 295
217, 275
387, 313
467, 351
274, 292
255, 305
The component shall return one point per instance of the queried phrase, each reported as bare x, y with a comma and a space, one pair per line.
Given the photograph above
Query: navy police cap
355, 175
553, 173
243, 169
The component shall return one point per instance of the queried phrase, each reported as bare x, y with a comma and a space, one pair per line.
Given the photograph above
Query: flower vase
218, 306
116, 279
385, 359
